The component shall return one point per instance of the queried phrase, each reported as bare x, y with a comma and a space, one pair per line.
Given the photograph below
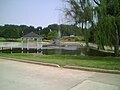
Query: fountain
57, 44
57, 41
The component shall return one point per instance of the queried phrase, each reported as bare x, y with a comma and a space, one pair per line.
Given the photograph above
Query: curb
32, 62
67, 66
92, 69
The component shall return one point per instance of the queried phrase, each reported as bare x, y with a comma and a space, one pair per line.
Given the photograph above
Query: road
24, 76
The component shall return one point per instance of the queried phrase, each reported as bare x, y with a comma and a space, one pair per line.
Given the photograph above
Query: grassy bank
10, 40
111, 63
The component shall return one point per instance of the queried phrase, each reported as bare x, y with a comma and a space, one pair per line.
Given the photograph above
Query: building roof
32, 35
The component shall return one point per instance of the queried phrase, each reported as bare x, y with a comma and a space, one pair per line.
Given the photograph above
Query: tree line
50, 32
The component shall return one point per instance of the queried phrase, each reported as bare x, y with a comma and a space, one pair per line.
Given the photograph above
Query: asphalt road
24, 76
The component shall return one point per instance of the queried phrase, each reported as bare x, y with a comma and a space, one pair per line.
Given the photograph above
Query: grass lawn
10, 40
111, 63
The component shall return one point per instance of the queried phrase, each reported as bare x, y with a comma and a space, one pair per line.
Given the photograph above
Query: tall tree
1, 31
11, 32
108, 30
80, 11
108, 20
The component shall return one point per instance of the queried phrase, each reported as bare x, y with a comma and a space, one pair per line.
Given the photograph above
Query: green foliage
1, 31
15, 31
10, 32
52, 35
118, 25
108, 31
105, 34
66, 30
79, 38
73, 38
81, 13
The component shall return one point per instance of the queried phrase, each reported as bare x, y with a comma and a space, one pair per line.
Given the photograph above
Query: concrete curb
67, 66
32, 62
93, 69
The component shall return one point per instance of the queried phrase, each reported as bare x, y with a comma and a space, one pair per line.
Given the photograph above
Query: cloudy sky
30, 12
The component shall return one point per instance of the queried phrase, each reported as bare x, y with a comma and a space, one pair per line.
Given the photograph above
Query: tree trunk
86, 35
116, 46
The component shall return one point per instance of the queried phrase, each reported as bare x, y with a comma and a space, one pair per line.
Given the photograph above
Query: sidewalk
26, 76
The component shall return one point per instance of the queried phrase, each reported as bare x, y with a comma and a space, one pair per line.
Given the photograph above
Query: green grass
111, 63
10, 40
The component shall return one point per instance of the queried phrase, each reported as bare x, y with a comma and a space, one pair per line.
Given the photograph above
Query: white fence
36, 45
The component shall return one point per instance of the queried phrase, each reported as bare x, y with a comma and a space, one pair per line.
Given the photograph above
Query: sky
30, 12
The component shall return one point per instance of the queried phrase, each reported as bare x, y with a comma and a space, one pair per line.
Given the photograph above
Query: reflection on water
61, 51
79, 51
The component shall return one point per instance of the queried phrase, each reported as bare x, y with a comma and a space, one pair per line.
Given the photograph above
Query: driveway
24, 76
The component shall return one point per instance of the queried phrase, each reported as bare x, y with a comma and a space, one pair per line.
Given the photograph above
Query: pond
55, 50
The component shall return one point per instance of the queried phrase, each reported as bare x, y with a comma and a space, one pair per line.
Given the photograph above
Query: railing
20, 45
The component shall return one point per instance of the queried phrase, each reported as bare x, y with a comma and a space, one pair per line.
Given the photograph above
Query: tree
80, 11
107, 27
108, 31
1, 31
52, 35
66, 30
24, 29
11, 33
38, 29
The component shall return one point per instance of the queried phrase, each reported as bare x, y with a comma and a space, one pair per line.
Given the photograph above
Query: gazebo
30, 45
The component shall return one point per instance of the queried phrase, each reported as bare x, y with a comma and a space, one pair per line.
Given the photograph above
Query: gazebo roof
32, 35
